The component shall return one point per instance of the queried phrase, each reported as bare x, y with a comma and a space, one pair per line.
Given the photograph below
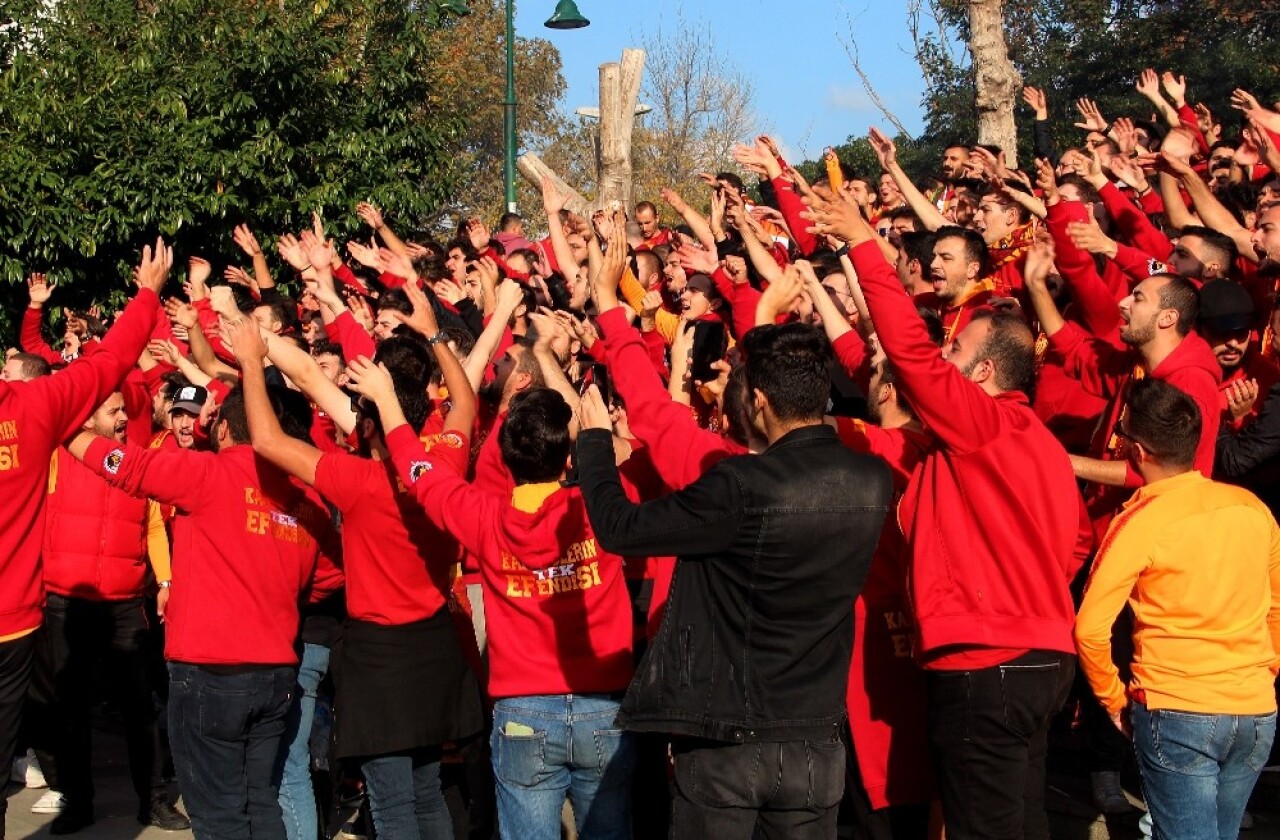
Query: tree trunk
532, 168
619, 93
996, 79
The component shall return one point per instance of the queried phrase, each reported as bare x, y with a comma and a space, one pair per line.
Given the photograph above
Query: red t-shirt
396, 562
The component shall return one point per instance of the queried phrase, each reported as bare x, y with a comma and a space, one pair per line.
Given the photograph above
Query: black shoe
71, 820
163, 815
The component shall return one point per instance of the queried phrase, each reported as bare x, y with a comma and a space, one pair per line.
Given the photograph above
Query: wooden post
532, 168
996, 79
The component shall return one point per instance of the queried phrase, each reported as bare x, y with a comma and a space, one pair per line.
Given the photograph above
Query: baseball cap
1225, 306
190, 399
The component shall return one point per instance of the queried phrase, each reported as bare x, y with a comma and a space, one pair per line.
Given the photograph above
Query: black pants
989, 733
15, 674
787, 789
78, 636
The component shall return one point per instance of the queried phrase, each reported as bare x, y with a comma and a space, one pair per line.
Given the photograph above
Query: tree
120, 120
996, 82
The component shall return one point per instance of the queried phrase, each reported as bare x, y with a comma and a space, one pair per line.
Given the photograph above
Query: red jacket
244, 548
995, 486
556, 605
95, 536
35, 417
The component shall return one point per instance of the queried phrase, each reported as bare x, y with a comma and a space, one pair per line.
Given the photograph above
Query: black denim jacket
772, 550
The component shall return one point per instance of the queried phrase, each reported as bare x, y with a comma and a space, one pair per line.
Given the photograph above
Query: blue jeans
293, 763
405, 798
1198, 769
225, 730
574, 748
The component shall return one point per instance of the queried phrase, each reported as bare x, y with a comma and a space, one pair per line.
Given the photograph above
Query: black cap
1225, 306
190, 398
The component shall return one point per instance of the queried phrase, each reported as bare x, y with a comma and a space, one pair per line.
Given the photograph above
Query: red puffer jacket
95, 536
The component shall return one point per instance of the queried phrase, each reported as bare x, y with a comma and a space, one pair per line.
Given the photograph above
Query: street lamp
566, 16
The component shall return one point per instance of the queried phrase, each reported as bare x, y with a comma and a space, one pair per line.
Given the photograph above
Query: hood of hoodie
540, 531
1193, 352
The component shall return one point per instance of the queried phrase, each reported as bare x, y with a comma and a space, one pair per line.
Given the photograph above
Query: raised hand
1128, 171
1125, 133
317, 251
697, 260
1087, 236
1241, 396
674, 200
1176, 87
153, 271
182, 314
423, 319
754, 158
366, 255
246, 240
370, 215
1035, 98
165, 351
447, 290
1039, 264
291, 252
736, 268
370, 380
614, 262
490, 274
834, 217
592, 412
1091, 116
781, 296
198, 270
1244, 101
478, 234
39, 290
390, 262
650, 305
244, 336
237, 275
553, 200
886, 151
1148, 85
508, 296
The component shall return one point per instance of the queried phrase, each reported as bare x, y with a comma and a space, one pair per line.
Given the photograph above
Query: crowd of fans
697, 525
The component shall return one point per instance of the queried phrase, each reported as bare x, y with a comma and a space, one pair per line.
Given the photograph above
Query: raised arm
509, 296
462, 396
930, 216
372, 216
269, 439
249, 244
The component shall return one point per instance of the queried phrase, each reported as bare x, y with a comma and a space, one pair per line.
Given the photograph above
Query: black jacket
772, 551
1251, 458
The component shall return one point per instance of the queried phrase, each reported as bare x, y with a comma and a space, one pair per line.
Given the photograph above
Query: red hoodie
995, 485
236, 588
35, 417
556, 604
1106, 370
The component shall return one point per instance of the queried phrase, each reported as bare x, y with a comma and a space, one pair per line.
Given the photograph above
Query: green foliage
120, 120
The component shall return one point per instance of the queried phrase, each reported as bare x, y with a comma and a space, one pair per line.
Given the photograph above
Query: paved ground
1072, 815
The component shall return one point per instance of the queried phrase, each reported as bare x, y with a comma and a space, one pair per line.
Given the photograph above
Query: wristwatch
437, 338
165, 584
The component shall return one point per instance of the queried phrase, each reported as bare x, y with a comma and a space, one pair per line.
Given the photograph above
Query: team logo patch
113, 461
453, 440
418, 469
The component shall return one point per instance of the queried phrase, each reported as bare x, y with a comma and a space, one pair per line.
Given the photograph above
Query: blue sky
806, 91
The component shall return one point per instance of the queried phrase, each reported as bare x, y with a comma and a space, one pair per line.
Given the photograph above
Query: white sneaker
26, 771
51, 803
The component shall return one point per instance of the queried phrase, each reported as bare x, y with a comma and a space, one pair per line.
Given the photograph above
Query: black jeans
225, 727
774, 789
989, 732
77, 636
15, 674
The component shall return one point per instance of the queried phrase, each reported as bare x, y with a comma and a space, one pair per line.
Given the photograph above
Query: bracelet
843, 250
437, 338
165, 584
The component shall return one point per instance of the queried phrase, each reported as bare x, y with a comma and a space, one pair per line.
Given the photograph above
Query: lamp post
566, 16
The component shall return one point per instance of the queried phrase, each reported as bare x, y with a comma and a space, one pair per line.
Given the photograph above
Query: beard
1136, 335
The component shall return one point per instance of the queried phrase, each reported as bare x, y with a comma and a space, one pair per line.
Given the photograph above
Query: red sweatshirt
35, 417
236, 588
397, 564
556, 605
1134, 225
681, 451
994, 485
886, 692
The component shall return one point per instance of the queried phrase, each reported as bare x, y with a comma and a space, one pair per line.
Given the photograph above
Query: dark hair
1088, 193
1164, 420
1223, 245
33, 366
737, 405
535, 436
431, 267
463, 338
297, 340
407, 355
1012, 347
731, 179
645, 205
328, 348
904, 212
289, 406
462, 244
173, 382
888, 376
397, 300
975, 247
825, 262
918, 245
507, 219
791, 365
1024, 215
1180, 295
281, 310
655, 264
933, 325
